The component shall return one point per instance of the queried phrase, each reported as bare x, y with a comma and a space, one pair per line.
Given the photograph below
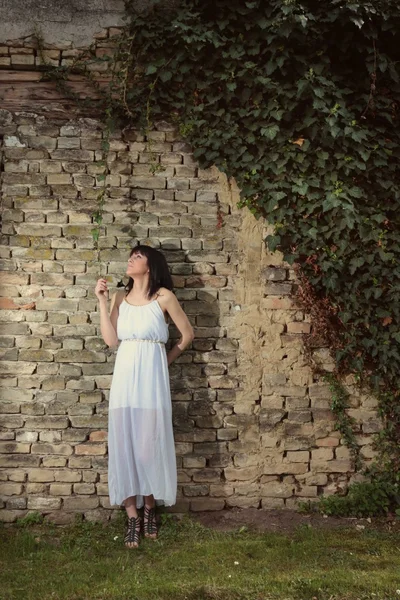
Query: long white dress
141, 445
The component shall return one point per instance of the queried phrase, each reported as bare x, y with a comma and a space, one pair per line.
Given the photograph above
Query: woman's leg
130, 506
149, 501
149, 514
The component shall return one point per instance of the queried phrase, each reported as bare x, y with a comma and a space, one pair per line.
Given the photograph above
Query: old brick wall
252, 427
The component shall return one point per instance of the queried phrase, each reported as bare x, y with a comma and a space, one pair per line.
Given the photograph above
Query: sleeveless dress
141, 446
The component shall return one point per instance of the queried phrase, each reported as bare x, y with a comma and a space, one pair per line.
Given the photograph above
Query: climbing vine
298, 101
308, 127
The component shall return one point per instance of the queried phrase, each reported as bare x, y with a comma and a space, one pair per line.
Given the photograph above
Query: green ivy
299, 102
364, 499
344, 423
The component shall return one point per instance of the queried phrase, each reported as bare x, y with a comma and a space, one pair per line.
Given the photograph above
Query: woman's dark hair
159, 271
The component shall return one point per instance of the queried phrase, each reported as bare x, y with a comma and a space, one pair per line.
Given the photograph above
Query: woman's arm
108, 322
182, 322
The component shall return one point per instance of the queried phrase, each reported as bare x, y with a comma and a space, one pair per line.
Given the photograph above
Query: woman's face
137, 264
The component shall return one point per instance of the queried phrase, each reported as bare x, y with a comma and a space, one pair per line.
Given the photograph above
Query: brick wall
252, 427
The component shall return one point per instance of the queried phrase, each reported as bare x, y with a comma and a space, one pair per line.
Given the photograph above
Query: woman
141, 448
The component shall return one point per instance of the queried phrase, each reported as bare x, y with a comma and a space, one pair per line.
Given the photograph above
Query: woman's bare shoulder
164, 293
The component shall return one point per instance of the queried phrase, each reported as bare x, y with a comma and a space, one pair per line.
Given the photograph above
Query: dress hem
158, 501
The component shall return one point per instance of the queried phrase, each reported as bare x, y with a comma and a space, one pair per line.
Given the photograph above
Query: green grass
84, 561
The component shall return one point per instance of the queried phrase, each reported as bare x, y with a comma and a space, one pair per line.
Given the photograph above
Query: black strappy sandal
149, 523
133, 533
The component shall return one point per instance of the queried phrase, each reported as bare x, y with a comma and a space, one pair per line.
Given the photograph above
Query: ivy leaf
151, 69
302, 84
301, 188
278, 195
355, 192
355, 263
270, 132
273, 242
313, 233
165, 75
303, 20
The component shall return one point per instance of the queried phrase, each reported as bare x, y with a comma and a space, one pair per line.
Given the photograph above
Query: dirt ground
286, 521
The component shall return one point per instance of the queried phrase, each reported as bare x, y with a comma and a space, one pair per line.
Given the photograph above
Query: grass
88, 561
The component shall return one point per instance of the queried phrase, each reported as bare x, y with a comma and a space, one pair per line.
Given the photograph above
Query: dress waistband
142, 340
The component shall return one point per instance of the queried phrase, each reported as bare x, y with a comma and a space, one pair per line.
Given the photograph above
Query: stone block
60, 489
45, 503
91, 449
10, 516
40, 475
47, 422
80, 503
300, 456
277, 489
14, 447
299, 327
327, 442
67, 475
200, 504
241, 474
272, 503
332, 466
44, 448
8, 488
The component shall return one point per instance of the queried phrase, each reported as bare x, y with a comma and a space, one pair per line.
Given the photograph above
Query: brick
273, 274
59, 178
80, 503
9, 516
84, 488
298, 327
73, 155
44, 448
19, 460
70, 130
16, 503
242, 502
68, 142
194, 462
90, 448
22, 60
47, 422
295, 468
60, 489
300, 456
238, 474
67, 475
221, 490
342, 452
8, 488
40, 475
200, 504
147, 182
98, 436
332, 466
11, 421
43, 503
277, 489
272, 503
206, 475
14, 447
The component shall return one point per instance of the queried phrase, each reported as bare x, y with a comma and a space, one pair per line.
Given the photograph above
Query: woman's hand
101, 290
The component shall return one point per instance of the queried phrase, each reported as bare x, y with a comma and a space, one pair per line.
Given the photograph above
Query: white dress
141, 446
